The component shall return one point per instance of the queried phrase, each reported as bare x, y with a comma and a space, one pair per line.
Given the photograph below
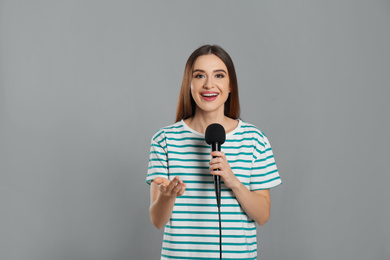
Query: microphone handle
217, 179
217, 185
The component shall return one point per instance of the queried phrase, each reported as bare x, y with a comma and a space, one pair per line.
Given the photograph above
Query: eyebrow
218, 70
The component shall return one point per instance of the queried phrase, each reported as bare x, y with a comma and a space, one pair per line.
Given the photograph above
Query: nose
208, 83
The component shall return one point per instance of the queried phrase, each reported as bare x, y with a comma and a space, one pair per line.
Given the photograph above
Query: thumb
158, 180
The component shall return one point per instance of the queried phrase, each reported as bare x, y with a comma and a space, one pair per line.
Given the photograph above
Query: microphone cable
217, 185
220, 232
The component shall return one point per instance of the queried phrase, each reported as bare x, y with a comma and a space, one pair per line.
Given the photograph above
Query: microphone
215, 136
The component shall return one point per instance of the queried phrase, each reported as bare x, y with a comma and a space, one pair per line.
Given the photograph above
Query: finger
162, 184
158, 180
217, 154
177, 188
173, 183
215, 160
181, 191
216, 166
217, 173
163, 188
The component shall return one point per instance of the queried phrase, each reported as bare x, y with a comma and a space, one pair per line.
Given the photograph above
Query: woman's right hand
162, 200
174, 188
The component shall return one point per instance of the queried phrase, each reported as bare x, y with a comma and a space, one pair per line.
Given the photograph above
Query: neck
201, 120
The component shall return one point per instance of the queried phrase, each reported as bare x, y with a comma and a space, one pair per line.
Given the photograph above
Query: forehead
209, 62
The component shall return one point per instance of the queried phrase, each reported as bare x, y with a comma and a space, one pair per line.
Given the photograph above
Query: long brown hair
186, 105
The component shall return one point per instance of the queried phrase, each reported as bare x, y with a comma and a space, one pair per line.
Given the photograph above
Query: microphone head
215, 133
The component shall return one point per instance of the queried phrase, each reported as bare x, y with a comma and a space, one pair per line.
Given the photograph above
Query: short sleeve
264, 174
158, 166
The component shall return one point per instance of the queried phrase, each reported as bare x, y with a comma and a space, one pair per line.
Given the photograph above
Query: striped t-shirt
193, 229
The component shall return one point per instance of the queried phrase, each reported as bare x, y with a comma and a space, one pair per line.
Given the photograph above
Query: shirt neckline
202, 135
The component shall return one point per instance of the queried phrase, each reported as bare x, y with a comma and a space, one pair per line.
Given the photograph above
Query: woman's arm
257, 204
163, 195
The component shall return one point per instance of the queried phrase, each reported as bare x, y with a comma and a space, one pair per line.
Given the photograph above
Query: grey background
85, 84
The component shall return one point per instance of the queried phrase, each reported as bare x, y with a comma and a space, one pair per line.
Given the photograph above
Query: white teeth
210, 95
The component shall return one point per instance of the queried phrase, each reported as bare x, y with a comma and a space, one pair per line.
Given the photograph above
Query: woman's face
210, 83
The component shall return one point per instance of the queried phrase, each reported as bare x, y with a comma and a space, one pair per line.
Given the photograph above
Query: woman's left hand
220, 162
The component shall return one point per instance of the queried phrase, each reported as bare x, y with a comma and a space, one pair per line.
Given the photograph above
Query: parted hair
186, 104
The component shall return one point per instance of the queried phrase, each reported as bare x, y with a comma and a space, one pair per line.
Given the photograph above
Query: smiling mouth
210, 95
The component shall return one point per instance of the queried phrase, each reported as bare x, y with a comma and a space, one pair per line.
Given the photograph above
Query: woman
181, 168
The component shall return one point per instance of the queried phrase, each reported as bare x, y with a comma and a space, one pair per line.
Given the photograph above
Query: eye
199, 76
219, 76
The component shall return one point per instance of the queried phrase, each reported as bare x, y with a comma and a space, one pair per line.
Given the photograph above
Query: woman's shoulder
252, 130
248, 127
176, 127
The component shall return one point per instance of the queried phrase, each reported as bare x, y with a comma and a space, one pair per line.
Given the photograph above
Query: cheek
195, 87
192, 90
225, 87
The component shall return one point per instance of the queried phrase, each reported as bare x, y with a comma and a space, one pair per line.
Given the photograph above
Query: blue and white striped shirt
193, 230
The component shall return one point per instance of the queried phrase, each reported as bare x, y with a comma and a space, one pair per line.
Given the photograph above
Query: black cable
220, 233
217, 184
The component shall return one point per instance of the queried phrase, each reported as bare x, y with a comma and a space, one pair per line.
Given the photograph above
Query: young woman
181, 168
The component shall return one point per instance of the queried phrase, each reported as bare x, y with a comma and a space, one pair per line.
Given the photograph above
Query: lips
209, 95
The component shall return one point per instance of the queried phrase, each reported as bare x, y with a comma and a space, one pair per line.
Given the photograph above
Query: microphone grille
215, 133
